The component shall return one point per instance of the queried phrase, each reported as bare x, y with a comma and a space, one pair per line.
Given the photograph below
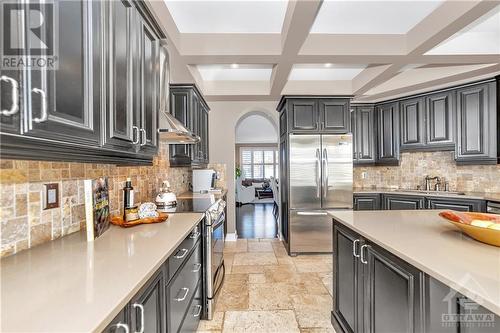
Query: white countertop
429, 243
69, 285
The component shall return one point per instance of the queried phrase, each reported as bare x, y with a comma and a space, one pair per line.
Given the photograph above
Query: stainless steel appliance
203, 180
213, 243
320, 179
493, 207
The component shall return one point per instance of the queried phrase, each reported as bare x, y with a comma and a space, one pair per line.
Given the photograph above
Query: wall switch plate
363, 175
51, 196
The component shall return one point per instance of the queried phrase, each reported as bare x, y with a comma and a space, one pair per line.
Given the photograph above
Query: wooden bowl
482, 234
118, 220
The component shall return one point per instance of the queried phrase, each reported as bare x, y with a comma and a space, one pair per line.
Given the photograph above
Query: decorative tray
480, 226
118, 220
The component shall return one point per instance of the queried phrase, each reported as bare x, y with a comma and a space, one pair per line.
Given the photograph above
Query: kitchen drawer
182, 252
182, 288
194, 313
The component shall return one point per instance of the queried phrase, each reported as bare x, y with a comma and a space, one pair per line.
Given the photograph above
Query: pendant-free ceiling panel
205, 16
371, 16
480, 37
235, 72
313, 72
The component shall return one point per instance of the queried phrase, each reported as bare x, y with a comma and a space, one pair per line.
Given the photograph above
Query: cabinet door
148, 306
388, 134
121, 133
476, 110
365, 135
303, 115
392, 293
463, 205
355, 148
180, 108
401, 202
61, 102
120, 324
149, 86
412, 124
366, 202
347, 305
196, 149
440, 115
204, 135
283, 123
334, 116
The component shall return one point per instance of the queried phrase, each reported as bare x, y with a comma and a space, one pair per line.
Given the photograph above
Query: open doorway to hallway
257, 168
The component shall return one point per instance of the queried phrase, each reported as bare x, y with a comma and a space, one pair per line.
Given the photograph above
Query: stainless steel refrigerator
320, 179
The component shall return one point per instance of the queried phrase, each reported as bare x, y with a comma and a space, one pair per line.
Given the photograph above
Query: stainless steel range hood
170, 129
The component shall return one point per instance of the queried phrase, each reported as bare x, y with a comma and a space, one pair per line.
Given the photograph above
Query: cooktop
197, 205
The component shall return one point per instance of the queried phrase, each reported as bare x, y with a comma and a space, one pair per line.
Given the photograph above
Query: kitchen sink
433, 192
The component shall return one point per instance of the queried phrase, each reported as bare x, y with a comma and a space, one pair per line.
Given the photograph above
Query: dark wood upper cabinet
283, 123
412, 123
303, 115
63, 104
476, 124
388, 134
334, 116
440, 115
363, 128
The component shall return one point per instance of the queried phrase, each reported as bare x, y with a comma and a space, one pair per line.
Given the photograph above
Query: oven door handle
217, 272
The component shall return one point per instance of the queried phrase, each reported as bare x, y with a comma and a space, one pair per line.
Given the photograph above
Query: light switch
51, 196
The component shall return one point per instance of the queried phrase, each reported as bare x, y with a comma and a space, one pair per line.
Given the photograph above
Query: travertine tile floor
267, 291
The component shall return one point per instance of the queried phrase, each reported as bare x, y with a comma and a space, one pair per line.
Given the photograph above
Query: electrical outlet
51, 196
364, 174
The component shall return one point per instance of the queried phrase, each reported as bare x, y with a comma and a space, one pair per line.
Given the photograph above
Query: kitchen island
410, 271
71, 285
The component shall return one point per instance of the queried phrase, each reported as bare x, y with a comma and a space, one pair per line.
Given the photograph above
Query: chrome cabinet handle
195, 235
354, 246
186, 292
122, 325
14, 108
360, 155
325, 173
180, 256
197, 269
143, 137
141, 307
135, 135
318, 187
363, 258
198, 312
44, 115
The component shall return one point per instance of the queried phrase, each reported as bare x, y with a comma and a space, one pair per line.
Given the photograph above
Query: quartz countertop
426, 241
467, 195
73, 285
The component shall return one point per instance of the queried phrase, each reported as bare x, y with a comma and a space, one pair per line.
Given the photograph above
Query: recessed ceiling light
234, 66
328, 65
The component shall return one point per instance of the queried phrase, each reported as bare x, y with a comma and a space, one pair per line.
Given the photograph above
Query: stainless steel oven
214, 255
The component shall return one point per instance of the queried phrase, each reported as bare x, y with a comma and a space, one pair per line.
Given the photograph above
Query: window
259, 162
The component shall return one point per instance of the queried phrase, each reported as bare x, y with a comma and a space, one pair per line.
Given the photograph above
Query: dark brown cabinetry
314, 114
189, 107
477, 124
388, 134
363, 128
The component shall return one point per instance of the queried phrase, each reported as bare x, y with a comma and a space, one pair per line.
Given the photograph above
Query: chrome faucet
428, 180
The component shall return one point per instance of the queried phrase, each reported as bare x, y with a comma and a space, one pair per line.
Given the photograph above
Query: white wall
223, 119
256, 129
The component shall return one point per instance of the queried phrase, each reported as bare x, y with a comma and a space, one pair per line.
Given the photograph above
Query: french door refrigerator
320, 179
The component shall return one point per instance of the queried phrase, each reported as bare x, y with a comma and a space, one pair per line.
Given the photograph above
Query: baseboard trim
231, 237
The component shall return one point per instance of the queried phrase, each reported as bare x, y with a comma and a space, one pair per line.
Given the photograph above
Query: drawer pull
197, 269
14, 108
195, 235
186, 292
121, 325
180, 256
198, 311
141, 307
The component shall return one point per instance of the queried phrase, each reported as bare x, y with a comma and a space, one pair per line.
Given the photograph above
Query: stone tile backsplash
24, 222
416, 165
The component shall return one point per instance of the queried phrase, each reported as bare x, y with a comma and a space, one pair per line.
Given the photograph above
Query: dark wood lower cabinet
366, 201
376, 291
148, 308
462, 205
399, 202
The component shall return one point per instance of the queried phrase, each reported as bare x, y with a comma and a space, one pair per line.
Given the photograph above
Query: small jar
131, 214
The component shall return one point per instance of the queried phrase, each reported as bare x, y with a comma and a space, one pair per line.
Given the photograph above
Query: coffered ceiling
372, 49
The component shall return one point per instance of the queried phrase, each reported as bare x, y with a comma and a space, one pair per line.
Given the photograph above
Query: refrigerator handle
318, 176
325, 172
312, 213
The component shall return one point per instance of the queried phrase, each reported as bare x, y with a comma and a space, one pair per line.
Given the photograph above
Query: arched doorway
256, 160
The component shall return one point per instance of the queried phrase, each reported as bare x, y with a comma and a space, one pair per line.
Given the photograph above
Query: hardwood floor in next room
267, 291
256, 221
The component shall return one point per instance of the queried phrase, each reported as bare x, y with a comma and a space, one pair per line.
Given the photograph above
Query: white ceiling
235, 72
371, 16
205, 16
324, 72
256, 129
480, 37
375, 47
